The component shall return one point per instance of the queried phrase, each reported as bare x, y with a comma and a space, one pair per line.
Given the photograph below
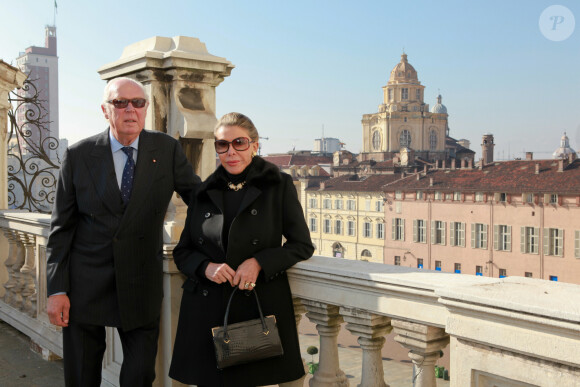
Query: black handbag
246, 341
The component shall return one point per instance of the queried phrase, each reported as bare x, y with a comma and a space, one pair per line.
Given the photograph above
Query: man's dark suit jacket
106, 257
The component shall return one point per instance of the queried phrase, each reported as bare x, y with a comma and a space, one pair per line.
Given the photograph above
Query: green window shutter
495, 236
536, 240
547, 242
473, 235
433, 239
402, 229
577, 244
443, 232
523, 239
452, 233
484, 236
509, 238
462, 234
415, 239
394, 229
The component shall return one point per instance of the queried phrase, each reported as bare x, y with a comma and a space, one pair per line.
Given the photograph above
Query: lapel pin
154, 160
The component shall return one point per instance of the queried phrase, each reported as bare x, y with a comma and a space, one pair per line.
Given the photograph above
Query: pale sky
302, 66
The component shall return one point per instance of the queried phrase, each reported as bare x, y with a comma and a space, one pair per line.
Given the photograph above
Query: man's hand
219, 273
57, 309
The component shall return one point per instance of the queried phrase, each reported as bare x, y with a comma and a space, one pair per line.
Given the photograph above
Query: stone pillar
28, 272
299, 310
327, 320
10, 78
424, 343
370, 330
180, 76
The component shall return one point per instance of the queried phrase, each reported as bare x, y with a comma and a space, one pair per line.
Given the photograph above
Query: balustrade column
299, 310
28, 271
13, 264
327, 320
370, 329
424, 344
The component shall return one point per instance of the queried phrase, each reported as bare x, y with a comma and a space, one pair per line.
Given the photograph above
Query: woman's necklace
236, 187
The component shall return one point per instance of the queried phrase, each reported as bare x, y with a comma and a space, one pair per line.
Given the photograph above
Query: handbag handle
264, 327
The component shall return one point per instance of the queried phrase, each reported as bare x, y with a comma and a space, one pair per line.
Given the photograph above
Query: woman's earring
253, 154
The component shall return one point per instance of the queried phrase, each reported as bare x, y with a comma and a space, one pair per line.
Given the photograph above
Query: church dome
439, 108
564, 150
404, 72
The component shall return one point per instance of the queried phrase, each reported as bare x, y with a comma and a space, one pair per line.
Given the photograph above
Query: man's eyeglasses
239, 144
123, 103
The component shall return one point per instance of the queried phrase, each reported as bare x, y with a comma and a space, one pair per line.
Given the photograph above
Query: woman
232, 237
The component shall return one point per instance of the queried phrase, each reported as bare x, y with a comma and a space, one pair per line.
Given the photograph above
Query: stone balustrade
504, 332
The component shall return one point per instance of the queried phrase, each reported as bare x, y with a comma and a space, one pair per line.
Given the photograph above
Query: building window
398, 195
365, 255
502, 273
457, 234
438, 195
404, 93
553, 199
351, 205
350, 226
419, 231
438, 265
398, 229
397, 260
528, 274
530, 237
502, 237
479, 196
312, 203
479, 270
367, 230
418, 94
554, 241
457, 196
419, 263
433, 140
576, 244
338, 204
437, 232
502, 197
528, 198
405, 139
380, 231
327, 204
367, 205
479, 236
312, 224
390, 94
379, 206
376, 140
457, 268
419, 195
405, 119
554, 278
327, 226
337, 250
338, 227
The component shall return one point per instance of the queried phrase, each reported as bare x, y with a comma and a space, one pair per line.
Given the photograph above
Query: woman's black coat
270, 209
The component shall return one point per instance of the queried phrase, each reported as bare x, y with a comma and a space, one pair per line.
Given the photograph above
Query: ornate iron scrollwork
31, 171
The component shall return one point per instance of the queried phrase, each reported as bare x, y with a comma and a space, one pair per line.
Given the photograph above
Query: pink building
511, 218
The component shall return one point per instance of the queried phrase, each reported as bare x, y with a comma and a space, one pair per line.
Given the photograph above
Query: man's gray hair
113, 81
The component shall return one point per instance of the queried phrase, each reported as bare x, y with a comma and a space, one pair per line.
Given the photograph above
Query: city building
327, 145
498, 219
41, 65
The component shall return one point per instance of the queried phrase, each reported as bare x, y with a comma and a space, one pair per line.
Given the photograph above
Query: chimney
452, 163
322, 186
571, 158
430, 182
470, 163
462, 163
537, 169
561, 165
425, 169
418, 176
444, 164
529, 155
402, 174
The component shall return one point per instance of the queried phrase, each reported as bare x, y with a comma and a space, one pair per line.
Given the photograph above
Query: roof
516, 176
288, 160
352, 183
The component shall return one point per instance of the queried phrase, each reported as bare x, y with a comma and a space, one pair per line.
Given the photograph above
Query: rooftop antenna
54, 17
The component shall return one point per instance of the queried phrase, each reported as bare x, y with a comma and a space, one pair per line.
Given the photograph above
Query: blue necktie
128, 174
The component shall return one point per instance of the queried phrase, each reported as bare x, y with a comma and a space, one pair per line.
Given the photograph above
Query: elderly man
104, 249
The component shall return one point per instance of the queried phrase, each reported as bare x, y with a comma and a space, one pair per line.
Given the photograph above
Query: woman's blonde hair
238, 119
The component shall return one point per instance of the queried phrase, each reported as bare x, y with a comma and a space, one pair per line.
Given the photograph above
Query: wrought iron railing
32, 172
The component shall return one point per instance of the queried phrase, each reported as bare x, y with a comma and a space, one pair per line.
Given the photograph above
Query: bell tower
487, 146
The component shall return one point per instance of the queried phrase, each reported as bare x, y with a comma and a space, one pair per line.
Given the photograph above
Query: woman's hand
220, 273
247, 274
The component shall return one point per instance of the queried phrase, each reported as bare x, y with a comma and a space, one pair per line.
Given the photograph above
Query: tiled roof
298, 160
352, 183
516, 176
